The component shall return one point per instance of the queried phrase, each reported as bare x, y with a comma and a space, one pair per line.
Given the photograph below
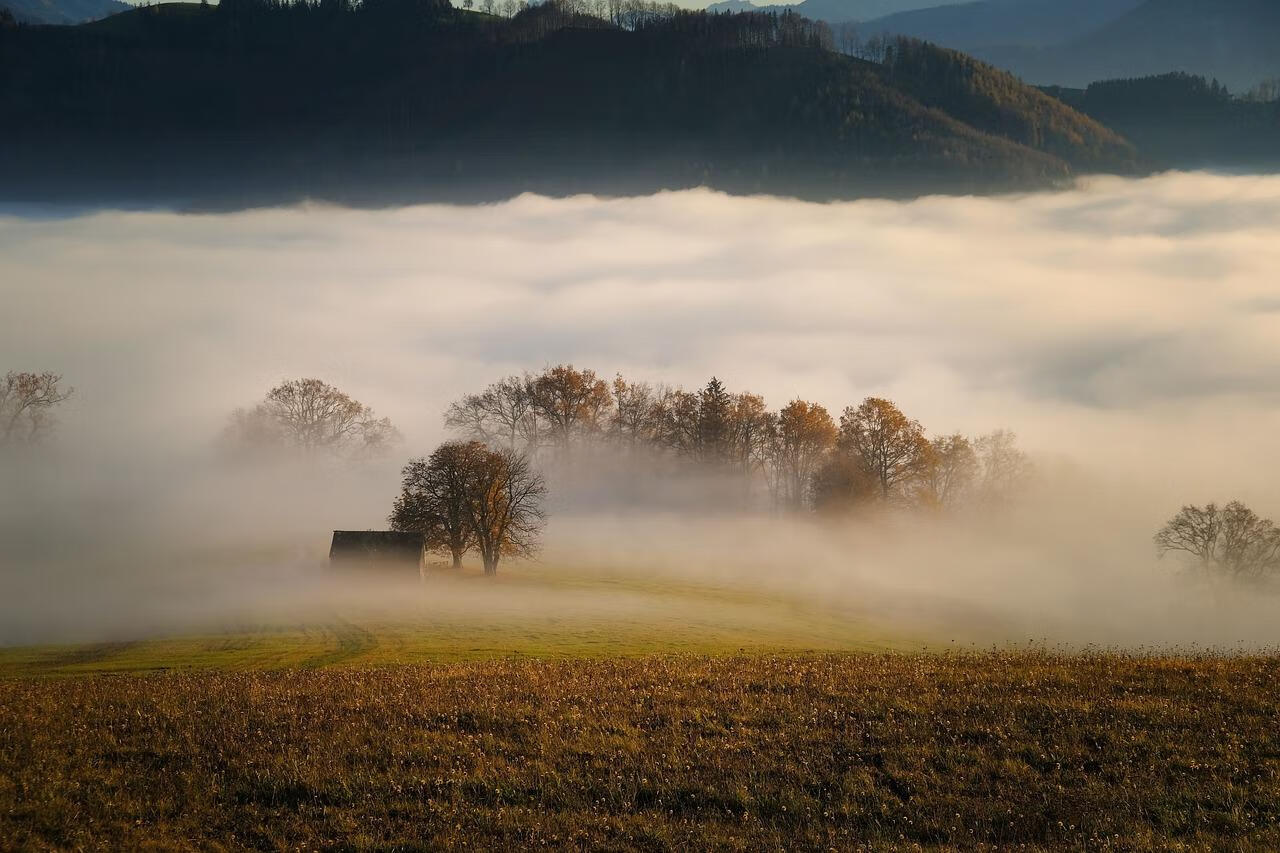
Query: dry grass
653, 753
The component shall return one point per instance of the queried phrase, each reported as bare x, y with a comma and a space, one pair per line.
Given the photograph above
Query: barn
381, 549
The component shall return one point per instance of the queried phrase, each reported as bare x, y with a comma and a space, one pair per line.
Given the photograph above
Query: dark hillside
1184, 121
399, 100
996, 102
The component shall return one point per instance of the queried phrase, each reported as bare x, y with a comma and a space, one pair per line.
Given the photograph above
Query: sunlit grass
538, 611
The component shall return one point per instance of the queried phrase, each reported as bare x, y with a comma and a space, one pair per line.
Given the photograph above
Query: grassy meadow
601, 711
535, 611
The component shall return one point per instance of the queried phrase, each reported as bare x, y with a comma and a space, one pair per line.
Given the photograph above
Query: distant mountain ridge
988, 23
62, 11
1234, 41
1077, 42
832, 11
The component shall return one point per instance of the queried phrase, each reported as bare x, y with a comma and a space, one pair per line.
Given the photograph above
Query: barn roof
376, 545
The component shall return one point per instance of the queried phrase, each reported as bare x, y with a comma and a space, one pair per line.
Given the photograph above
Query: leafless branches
311, 416
1231, 540
27, 401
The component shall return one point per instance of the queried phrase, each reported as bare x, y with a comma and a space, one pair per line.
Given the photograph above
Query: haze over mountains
62, 11
1077, 42
1234, 41
1055, 42
1027, 23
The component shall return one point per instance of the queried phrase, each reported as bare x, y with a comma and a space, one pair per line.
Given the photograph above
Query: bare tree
1003, 469
950, 472
312, 416
889, 445
27, 401
636, 413
504, 506
1231, 540
501, 414
847, 38
434, 496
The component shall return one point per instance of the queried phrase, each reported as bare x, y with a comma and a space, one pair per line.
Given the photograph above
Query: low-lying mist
1126, 330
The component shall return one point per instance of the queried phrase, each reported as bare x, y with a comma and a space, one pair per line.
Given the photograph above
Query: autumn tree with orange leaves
890, 447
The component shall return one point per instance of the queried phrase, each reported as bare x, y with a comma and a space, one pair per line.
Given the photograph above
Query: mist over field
1126, 330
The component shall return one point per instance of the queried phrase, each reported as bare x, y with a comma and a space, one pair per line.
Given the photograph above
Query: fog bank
1127, 330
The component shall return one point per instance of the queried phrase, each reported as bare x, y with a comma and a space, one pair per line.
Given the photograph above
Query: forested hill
404, 100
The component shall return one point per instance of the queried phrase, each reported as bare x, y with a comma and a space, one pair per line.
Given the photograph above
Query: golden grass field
612, 712
657, 753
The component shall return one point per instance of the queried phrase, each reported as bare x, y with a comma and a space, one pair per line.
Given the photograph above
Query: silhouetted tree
714, 429
312, 416
27, 401
434, 498
1232, 540
636, 414
504, 506
502, 414
1003, 469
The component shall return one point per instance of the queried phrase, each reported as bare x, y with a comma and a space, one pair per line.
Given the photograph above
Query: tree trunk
457, 559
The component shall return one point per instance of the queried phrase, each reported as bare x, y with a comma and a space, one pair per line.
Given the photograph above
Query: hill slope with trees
401, 100
1183, 121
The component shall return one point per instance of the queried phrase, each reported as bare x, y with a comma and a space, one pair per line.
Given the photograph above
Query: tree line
801, 456
485, 491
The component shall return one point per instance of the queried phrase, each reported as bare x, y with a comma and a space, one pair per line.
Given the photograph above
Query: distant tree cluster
798, 455
313, 417
467, 495
1229, 541
1160, 95
27, 403
1266, 92
1179, 118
